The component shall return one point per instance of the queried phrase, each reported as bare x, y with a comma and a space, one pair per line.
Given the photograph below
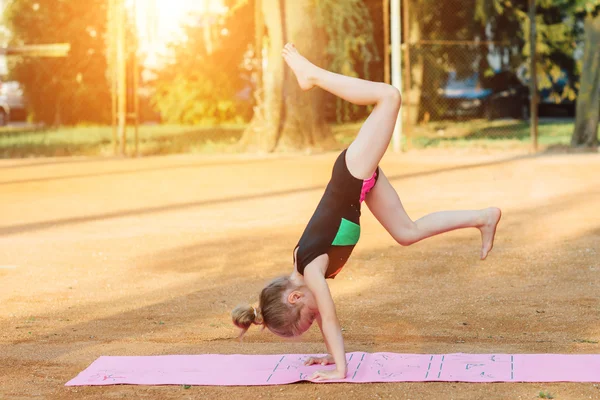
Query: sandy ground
149, 256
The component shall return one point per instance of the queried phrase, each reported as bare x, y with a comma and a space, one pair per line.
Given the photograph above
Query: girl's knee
405, 241
407, 235
393, 94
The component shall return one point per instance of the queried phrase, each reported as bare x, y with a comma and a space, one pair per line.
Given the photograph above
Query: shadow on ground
36, 226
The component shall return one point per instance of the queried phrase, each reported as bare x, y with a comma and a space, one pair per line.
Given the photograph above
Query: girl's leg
367, 149
384, 203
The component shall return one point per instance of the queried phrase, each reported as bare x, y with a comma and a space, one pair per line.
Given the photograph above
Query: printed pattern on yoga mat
232, 370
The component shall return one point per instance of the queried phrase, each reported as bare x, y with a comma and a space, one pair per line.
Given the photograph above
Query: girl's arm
314, 277
328, 359
320, 323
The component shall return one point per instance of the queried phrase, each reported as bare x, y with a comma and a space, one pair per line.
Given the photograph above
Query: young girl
289, 304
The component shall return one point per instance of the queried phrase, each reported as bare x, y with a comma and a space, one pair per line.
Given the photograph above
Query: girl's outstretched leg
373, 139
385, 204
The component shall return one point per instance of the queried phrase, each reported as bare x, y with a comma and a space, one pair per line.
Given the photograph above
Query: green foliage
507, 22
196, 96
558, 33
586, 341
349, 30
199, 86
545, 395
435, 24
351, 43
584, 7
96, 140
62, 90
477, 134
453, 20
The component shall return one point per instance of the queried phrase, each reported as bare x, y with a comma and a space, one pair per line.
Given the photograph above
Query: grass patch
545, 395
585, 341
97, 140
491, 134
345, 133
499, 134
169, 139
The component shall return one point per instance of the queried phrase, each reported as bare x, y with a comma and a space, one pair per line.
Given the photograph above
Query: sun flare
160, 21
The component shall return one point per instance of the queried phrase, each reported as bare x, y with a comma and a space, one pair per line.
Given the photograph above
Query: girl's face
307, 317
310, 310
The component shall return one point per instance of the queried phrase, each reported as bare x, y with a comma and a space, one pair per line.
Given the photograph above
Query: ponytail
273, 312
244, 316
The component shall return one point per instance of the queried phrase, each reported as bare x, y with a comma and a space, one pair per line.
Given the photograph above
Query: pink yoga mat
230, 370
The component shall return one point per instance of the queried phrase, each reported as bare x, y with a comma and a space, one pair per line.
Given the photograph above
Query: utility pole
533, 79
123, 60
135, 82
112, 70
121, 66
406, 101
396, 67
386, 41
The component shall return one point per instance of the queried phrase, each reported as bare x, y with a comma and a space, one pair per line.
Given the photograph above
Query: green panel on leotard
348, 234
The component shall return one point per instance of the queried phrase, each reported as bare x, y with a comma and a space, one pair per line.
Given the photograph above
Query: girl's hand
328, 359
327, 375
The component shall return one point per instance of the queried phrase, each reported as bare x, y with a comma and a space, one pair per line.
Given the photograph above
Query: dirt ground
149, 256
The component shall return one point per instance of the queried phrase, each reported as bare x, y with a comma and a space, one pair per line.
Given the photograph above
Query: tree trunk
263, 129
588, 100
286, 117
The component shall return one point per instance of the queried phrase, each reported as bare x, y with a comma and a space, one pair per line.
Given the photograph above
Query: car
11, 94
4, 112
560, 94
557, 89
501, 95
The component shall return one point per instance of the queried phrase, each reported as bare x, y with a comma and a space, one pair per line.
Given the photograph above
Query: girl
289, 305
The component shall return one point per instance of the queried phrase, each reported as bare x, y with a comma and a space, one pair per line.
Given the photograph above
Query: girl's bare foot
303, 69
488, 230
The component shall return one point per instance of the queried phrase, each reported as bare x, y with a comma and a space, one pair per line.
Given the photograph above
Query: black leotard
334, 228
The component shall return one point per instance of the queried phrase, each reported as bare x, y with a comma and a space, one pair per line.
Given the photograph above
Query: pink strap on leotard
367, 186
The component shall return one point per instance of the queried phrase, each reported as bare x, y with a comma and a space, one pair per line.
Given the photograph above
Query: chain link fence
466, 83
463, 90
463, 82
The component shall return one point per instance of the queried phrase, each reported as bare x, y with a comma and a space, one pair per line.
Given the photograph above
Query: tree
506, 23
588, 100
288, 115
66, 90
330, 34
201, 80
559, 29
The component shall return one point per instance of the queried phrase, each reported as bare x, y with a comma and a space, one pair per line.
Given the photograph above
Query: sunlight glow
160, 21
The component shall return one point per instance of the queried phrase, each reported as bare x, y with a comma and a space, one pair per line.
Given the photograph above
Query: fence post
396, 67
112, 52
406, 100
533, 76
121, 66
386, 41
136, 80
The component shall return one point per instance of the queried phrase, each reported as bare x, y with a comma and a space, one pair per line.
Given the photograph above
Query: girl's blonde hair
273, 312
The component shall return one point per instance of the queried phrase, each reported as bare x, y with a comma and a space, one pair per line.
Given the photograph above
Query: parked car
557, 91
12, 95
501, 95
4, 111
561, 95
